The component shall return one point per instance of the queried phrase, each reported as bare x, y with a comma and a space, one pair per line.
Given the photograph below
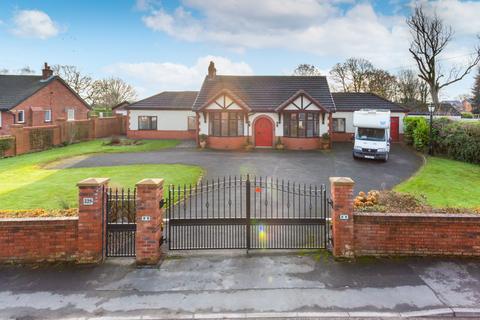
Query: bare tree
110, 92
306, 70
26, 70
382, 83
411, 90
80, 83
430, 37
353, 74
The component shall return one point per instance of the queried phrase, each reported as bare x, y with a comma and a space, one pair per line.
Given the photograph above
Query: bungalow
232, 111
38, 100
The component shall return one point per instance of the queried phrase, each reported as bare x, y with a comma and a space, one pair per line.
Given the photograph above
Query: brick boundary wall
416, 234
398, 234
38, 239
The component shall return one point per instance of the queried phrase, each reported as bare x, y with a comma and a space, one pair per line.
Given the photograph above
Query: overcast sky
166, 45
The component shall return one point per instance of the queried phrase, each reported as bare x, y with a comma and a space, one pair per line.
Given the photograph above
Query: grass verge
445, 183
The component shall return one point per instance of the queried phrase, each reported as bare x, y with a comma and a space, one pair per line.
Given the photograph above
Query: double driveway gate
247, 213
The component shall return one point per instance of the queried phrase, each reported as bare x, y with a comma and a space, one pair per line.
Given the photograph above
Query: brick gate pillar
91, 224
149, 221
342, 216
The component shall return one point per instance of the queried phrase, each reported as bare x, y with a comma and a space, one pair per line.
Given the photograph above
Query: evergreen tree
476, 93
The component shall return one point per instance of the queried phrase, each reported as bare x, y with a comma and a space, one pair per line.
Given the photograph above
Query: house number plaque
87, 201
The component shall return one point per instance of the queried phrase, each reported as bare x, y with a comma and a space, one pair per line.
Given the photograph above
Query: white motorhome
372, 134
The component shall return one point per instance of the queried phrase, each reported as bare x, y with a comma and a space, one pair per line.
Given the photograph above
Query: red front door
394, 125
263, 133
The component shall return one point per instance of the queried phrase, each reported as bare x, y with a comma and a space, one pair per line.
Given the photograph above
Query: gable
302, 103
223, 102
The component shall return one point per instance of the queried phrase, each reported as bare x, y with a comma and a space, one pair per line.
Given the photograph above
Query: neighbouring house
445, 109
467, 105
232, 111
33, 100
167, 115
121, 108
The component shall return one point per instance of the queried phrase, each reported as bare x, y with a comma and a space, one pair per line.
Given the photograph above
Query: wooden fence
30, 139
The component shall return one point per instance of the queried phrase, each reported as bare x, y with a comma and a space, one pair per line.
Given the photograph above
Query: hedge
458, 140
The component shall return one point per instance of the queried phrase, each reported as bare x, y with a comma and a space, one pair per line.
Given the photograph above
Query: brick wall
38, 239
416, 234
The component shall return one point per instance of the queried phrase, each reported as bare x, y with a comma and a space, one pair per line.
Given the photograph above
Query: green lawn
446, 183
25, 184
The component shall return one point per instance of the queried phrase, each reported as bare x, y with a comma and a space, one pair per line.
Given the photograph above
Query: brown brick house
34, 100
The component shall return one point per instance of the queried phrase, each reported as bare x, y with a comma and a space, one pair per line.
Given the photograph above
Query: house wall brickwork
229, 143
161, 134
8, 119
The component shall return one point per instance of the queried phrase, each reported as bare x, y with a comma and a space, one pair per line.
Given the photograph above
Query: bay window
301, 124
226, 124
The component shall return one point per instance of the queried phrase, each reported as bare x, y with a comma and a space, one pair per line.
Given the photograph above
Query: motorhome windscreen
371, 134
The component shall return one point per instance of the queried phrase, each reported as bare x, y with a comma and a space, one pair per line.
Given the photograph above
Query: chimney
47, 72
212, 71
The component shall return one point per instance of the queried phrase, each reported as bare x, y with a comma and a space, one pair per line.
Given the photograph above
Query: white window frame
68, 114
22, 112
1, 119
49, 113
191, 120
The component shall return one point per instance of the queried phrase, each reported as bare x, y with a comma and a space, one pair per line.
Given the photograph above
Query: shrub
457, 140
5, 144
325, 136
409, 124
467, 115
421, 135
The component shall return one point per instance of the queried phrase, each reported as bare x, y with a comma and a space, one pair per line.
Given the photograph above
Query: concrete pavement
235, 285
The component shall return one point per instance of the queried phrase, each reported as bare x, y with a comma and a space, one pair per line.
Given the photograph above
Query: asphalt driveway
310, 167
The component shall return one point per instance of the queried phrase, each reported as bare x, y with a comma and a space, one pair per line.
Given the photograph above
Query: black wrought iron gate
247, 213
121, 228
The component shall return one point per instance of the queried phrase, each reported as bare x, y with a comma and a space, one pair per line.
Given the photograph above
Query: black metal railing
247, 213
121, 227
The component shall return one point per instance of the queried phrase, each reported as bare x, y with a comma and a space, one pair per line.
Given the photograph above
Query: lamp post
431, 109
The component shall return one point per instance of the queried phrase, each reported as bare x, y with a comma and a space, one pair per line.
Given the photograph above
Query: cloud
323, 28
34, 24
461, 15
317, 27
153, 77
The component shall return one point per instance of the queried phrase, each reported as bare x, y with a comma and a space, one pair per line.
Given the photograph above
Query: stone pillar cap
342, 181
150, 182
93, 182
